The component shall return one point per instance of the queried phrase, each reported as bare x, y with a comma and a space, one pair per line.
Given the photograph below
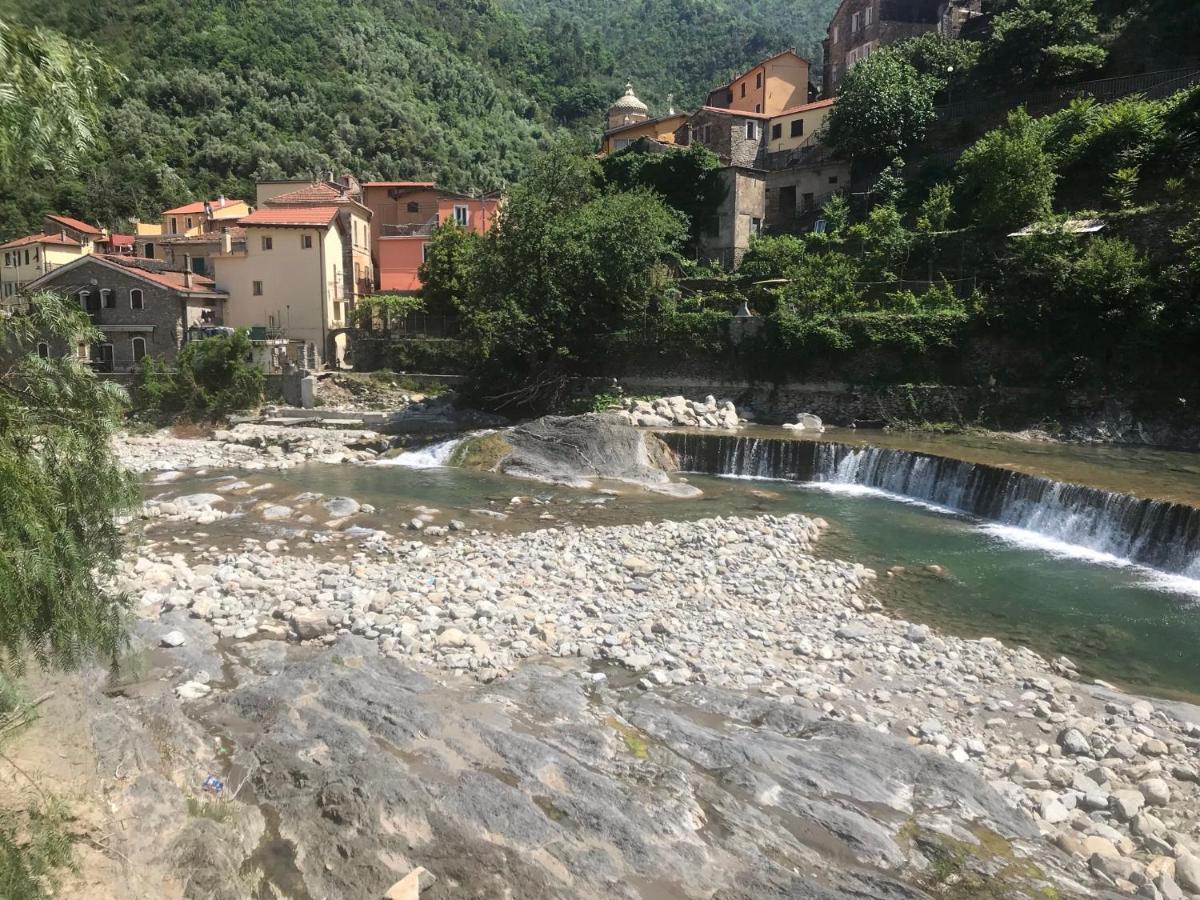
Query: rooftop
300, 216
76, 224
646, 122
720, 110
758, 64
59, 239
198, 206
201, 284
400, 184
805, 107
317, 192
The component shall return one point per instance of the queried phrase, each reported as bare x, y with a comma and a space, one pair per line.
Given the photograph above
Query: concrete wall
813, 118
745, 202
787, 189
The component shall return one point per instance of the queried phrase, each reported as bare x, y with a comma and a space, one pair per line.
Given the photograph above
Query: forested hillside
686, 46
220, 93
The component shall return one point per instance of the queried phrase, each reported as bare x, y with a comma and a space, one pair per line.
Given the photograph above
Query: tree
567, 266
688, 180
443, 272
49, 99
1006, 179
884, 106
1041, 41
60, 487
212, 377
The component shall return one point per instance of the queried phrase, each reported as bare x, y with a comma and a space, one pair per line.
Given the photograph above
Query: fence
1154, 85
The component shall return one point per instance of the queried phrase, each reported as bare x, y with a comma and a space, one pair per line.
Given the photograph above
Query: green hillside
685, 46
221, 93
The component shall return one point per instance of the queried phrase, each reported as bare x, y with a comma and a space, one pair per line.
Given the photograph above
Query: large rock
577, 449
542, 785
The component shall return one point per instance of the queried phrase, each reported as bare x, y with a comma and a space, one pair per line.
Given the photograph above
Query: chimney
226, 242
187, 270
62, 235
187, 279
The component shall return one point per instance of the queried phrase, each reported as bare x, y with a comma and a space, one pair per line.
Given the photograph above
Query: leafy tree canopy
1006, 179
884, 106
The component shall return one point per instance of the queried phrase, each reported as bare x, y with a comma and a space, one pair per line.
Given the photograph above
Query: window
758, 107
26, 256
758, 80
461, 215
174, 225
424, 252
797, 127
414, 206
107, 299
256, 289
136, 301
751, 130
8, 259
868, 15
306, 242
35, 254
776, 131
855, 22
81, 350
743, 89
809, 202
43, 350
189, 223
268, 243
85, 299
833, 179
835, 35
149, 251
138, 345
755, 225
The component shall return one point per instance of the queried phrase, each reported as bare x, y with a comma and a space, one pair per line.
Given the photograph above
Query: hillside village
292, 264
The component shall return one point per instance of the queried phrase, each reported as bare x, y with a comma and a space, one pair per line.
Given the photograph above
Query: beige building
795, 127
191, 219
289, 276
63, 240
777, 83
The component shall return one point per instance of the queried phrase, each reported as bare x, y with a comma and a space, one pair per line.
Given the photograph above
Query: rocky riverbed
726, 605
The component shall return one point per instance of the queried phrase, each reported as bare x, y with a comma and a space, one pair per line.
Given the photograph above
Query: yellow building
202, 215
629, 121
777, 83
794, 127
63, 240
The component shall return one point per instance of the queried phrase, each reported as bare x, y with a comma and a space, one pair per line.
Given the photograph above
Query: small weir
1153, 533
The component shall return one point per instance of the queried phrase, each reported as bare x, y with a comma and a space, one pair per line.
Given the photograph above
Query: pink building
404, 214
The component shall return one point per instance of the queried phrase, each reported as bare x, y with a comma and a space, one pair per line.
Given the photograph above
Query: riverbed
1125, 623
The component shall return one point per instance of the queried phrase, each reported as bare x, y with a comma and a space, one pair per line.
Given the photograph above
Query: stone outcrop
679, 412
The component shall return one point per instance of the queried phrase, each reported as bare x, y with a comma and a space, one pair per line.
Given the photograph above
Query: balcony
424, 229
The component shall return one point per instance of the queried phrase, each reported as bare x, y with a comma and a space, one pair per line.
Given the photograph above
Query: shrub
212, 377
1007, 178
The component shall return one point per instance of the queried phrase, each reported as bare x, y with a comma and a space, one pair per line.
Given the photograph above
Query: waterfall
1153, 533
431, 456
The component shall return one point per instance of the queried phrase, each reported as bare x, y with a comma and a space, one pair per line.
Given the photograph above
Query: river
1052, 582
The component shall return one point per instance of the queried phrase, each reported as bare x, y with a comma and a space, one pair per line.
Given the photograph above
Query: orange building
629, 121
403, 217
777, 83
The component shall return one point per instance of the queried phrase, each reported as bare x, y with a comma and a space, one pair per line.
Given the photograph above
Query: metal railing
423, 229
1152, 84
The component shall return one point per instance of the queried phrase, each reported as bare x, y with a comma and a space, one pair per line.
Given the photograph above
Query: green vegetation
212, 377
35, 844
884, 107
59, 488
481, 453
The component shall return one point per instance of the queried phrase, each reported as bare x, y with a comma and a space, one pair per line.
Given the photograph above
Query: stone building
860, 27
141, 308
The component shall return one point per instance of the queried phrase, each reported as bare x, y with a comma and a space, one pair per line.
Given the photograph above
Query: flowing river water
1085, 551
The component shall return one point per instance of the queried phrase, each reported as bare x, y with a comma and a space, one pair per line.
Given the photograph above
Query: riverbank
728, 604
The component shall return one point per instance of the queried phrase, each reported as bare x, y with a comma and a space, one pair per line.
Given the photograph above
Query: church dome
628, 108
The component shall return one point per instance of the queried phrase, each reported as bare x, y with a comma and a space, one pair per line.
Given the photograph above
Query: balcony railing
423, 229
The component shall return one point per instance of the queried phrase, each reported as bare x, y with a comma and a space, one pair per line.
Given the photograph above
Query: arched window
139, 349
43, 350
135, 299
108, 300
84, 297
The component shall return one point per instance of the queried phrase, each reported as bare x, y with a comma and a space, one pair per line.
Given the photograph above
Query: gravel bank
738, 603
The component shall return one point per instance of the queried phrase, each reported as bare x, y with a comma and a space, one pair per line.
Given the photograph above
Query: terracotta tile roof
201, 284
41, 239
804, 107
292, 215
76, 224
120, 240
734, 112
317, 192
400, 184
198, 207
